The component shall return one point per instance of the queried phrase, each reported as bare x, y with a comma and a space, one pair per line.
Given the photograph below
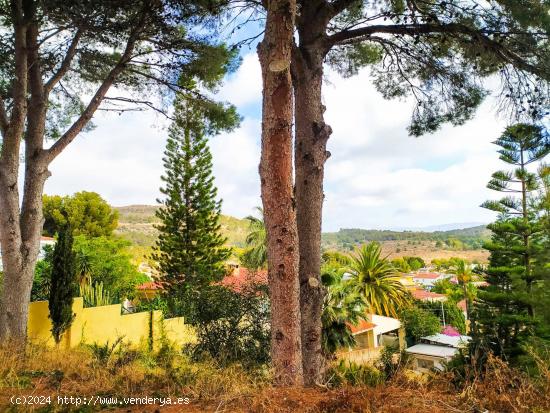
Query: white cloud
379, 177
245, 86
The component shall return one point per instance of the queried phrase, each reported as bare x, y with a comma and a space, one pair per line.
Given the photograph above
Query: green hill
137, 224
459, 239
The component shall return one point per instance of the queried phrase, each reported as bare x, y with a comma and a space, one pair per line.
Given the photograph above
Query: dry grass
428, 251
43, 371
126, 373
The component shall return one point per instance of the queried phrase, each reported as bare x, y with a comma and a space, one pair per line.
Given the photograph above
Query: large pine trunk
276, 175
20, 240
310, 156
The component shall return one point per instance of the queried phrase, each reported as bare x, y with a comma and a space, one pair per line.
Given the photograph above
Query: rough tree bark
276, 175
311, 136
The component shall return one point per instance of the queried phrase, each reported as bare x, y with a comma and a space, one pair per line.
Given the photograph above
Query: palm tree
342, 307
464, 276
378, 280
255, 256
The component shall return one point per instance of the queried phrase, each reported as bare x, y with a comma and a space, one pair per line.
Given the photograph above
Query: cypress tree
190, 251
63, 284
504, 314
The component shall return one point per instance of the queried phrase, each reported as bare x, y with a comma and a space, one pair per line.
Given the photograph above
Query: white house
434, 351
428, 279
371, 335
43, 242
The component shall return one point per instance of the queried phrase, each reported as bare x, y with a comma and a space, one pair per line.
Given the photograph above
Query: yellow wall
365, 340
102, 324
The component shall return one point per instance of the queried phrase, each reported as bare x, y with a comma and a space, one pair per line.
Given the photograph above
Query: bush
419, 322
105, 260
231, 326
347, 373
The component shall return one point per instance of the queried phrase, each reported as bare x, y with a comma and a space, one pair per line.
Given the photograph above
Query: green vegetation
190, 252
378, 281
63, 284
86, 212
408, 264
254, 255
94, 295
447, 312
506, 312
43, 276
458, 239
231, 326
106, 261
419, 322
343, 305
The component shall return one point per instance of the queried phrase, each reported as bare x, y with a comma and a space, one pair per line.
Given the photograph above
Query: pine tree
63, 284
190, 251
505, 311
542, 254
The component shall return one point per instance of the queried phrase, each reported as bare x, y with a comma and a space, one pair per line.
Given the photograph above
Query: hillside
467, 238
136, 223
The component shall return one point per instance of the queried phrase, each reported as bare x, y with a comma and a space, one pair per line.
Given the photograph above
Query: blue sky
377, 177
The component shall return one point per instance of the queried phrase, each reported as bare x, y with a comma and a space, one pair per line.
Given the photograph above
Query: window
425, 364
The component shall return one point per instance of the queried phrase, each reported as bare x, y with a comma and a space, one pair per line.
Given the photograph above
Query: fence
106, 324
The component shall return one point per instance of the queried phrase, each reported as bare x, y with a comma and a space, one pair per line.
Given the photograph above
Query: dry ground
51, 373
428, 251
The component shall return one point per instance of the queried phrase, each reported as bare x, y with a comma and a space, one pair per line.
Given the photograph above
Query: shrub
231, 326
349, 373
419, 322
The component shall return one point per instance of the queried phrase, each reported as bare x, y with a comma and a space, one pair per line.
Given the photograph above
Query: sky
377, 177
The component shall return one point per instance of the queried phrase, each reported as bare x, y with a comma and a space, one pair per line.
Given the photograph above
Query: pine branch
65, 64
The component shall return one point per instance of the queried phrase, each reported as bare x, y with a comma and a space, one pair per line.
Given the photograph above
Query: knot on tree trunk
313, 282
279, 65
321, 130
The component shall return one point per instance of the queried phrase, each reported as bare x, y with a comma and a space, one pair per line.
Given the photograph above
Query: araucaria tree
505, 311
63, 284
433, 51
52, 53
190, 251
276, 174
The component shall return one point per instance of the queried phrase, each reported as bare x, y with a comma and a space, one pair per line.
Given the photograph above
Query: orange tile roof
363, 325
47, 239
150, 285
427, 276
242, 277
425, 295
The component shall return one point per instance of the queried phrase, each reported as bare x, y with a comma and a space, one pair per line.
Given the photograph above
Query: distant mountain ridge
443, 227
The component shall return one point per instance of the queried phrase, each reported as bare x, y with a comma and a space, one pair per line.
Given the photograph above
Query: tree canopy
87, 213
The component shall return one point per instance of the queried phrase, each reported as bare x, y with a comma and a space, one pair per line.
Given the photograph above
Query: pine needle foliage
190, 251
505, 313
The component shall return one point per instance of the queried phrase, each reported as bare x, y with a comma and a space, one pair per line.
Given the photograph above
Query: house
477, 283
41, 253
428, 279
148, 290
242, 277
434, 351
371, 336
407, 280
423, 295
